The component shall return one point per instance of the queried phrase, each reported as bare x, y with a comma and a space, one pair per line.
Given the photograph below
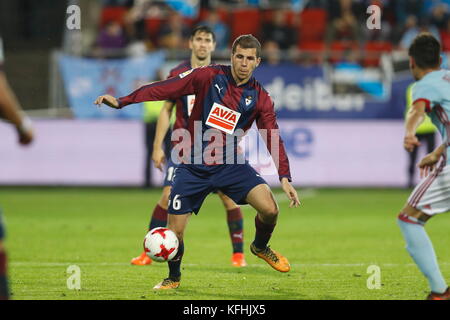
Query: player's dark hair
425, 50
247, 41
205, 29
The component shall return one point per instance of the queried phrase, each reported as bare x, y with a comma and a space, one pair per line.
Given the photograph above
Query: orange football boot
439, 296
168, 283
273, 258
142, 260
238, 260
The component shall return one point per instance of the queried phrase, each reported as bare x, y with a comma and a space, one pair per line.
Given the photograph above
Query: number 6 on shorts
176, 204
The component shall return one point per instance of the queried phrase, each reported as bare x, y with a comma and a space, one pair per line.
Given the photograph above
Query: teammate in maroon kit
202, 43
228, 100
10, 110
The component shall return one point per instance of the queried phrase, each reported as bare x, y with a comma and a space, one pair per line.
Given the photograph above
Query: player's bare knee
424, 217
274, 212
270, 213
415, 213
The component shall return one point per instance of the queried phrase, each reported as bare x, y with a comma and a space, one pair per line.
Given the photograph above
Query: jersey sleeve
266, 119
427, 93
171, 75
169, 89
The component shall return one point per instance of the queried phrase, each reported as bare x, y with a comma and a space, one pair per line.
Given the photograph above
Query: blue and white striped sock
421, 250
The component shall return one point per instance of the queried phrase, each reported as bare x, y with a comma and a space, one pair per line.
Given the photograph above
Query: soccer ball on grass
161, 244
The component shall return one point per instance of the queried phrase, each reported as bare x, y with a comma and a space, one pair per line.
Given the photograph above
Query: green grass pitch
331, 240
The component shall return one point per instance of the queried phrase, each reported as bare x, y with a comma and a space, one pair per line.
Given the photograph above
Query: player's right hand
159, 158
290, 192
25, 132
108, 100
427, 164
410, 142
26, 137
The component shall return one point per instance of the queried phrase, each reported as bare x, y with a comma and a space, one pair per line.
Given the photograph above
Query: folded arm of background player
190, 82
11, 111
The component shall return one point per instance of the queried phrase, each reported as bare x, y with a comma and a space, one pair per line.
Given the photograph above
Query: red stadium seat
266, 16
152, 26
245, 21
312, 45
290, 18
374, 50
445, 40
312, 50
223, 14
113, 14
189, 22
338, 49
312, 25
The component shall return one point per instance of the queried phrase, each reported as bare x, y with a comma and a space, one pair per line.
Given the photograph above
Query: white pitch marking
93, 264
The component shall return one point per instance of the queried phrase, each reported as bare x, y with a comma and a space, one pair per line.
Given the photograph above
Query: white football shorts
432, 194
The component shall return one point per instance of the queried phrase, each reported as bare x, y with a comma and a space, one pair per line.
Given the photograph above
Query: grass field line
94, 264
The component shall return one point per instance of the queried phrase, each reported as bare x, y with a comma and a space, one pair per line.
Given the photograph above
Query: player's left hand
290, 192
159, 158
427, 164
410, 142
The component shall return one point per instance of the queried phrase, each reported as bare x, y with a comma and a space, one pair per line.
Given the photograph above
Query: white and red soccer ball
161, 244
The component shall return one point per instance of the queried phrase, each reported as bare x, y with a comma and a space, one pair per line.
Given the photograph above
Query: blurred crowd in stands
324, 30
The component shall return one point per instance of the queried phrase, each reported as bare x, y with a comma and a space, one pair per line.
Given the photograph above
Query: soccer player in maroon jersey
11, 111
202, 44
228, 100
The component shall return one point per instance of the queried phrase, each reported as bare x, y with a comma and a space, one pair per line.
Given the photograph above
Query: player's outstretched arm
290, 192
428, 162
173, 88
414, 118
158, 155
108, 100
10, 110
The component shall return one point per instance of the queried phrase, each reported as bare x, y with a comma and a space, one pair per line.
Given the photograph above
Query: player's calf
235, 223
263, 233
419, 246
177, 223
